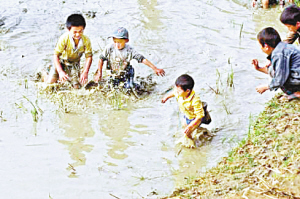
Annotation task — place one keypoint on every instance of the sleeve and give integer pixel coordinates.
(137, 56)
(291, 37)
(104, 55)
(198, 107)
(280, 65)
(60, 45)
(88, 48)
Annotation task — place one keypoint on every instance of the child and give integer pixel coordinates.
(290, 17)
(189, 103)
(68, 51)
(285, 64)
(118, 56)
(266, 3)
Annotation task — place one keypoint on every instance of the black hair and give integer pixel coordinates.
(290, 15)
(75, 20)
(185, 82)
(269, 36)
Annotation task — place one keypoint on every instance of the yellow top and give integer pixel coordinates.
(191, 106)
(66, 49)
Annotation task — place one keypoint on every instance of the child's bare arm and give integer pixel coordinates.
(84, 75)
(157, 71)
(192, 126)
(261, 69)
(98, 75)
(61, 73)
(168, 96)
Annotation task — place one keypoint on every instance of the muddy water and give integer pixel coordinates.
(129, 153)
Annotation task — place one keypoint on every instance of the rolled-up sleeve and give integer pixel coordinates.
(137, 56)
(60, 45)
(88, 48)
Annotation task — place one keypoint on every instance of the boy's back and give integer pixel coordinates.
(285, 65)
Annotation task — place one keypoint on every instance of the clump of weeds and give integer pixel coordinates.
(36, 111)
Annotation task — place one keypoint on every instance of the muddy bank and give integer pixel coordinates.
(265, 164)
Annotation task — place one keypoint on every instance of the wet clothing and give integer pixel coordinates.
(69, 56)
(191, 107)
(292, 37)
(71, 68)
(67, 51)
(119, 59)
(285, 68)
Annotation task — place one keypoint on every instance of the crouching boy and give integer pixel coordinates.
(189, 103)
(285, 64)
(68, 51)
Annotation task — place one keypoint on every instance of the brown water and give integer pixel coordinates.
(130, 153)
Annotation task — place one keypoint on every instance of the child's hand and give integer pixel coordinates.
(163, 100)
(63, 76)
(262, 88)
(83, 78)
(255, 64)
(160, 72)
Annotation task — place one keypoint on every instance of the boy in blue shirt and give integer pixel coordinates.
(118, 56)
(285, 64)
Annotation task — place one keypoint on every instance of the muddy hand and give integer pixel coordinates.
(83, 78)
(255, 64)
(63, 76)
(160, 72)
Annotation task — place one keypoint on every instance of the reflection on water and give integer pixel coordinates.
(76, 129)
(151, 14)
(116, 126)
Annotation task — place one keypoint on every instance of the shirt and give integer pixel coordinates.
(66, 50)
(120, 59)
(191, 106)
(285, 66)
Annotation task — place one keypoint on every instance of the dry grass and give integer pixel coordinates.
(266, 164)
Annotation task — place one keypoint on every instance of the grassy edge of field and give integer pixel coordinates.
(265, 164)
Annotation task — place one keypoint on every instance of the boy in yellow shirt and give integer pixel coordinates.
(68, 51)
(189, 103)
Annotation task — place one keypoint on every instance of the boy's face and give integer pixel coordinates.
(120, 43)
(181, 92)
(291, 27)
(76, 32)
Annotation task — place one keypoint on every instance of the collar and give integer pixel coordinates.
(190, 97)
(73, 42)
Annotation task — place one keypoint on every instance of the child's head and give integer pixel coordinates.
(120, 37)
(290, 17)
(268, 39)
(76, 25)
(184, 85)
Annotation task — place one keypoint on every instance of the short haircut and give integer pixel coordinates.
(290, 15)
(269, 36)
(75, 20)
(185, 82)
